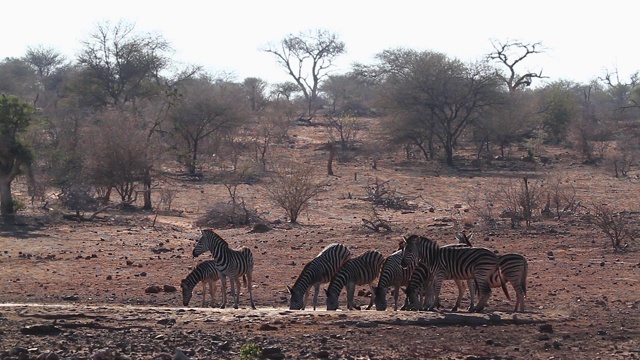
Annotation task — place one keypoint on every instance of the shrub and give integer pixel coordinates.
(615, 225)
(221, 215)
(292, 187)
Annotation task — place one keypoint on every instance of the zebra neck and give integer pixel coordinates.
(336, 285)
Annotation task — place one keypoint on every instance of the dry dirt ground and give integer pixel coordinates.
(77, 289)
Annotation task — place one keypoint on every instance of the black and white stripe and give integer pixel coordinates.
(514, 268)
(230, 263)
(360, 270)
(459, 263)
(318, 271)
(392, 274)
(205, 272)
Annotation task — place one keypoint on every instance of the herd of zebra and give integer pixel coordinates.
(418, 267)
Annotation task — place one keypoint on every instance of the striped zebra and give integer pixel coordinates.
(205, 272)
(514, 268)
(360, 270)
(456, 263)
(318, 271)
(392, 274)
(230, 263)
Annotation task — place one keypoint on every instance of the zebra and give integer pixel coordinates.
(318, 271)
(360, 270)
(230, 263)
(456, 263)
(205, 272)
(392, 274)
(514, 268)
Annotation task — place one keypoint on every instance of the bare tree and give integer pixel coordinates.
(307, 58)
(292, 188)
(511, 54)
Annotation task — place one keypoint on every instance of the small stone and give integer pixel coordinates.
(546, 328)
(322, 354)
(169, 288)
(543, 337)
(153, 289)
(267, 327)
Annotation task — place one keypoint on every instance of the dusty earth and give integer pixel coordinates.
(77, 290)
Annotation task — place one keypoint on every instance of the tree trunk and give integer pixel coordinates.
(332, 154)
(194, 158)
(6, 200)
(448, 149)
(146, 195)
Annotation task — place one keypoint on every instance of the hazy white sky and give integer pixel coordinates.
(582, 38)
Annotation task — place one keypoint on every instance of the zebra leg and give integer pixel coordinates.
(236, 293)
(373, 296)
(437, 286)
(485, 293)
(351, 289)
(306, 297)
(316, 290)
(396, 293)
(460, 286)
(212, 291)
(472, 290)
(204, 291)
(223, 287)
(250, 288)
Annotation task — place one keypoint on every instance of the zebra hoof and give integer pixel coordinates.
(235, 306)
(222, 306)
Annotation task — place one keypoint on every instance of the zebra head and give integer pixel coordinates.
(187, 292)
(202, 245)
(297, 299)
(332, 300)
(380, 297)
(413, 300)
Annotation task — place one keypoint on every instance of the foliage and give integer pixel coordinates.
(292, 187)
(250, 351)
(15, 117)
(615, 225)
(521, 201)
(306, 57)
(435, 92)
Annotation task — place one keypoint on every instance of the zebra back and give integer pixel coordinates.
(360, 270)
(514, 268)
(322, 268)
(204, 270)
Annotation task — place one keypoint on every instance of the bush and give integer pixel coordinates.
(292, 188)
(615, 225)
(222, 215)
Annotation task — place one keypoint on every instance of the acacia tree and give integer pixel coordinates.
(121, 64)
(15, 117)
(435, 92)
(203, 108)
(307, 58)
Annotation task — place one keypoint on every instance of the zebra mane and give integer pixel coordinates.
(215, 236)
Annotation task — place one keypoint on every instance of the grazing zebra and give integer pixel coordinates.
(204, 272)
(459, 263)
(392, 274)
(318, 271)
(514, 268)
(360, 270)
(230, 263)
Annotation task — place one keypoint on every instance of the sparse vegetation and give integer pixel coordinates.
(615, 225)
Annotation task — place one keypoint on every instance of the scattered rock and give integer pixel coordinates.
(169, 288)
(70, 298)
(543, 337)
(546, 328)
(322, 354)
(267, 327)
(153, 289)
(41, 330)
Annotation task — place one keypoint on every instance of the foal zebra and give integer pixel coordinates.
(392, 274)
(318, 271)
(514, 268)
(456, 263)
(207, 273)
(230, 263)
(360, 270)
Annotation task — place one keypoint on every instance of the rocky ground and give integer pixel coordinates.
(105, 289)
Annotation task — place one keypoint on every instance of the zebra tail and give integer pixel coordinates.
(523, 281)
(503, 284)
